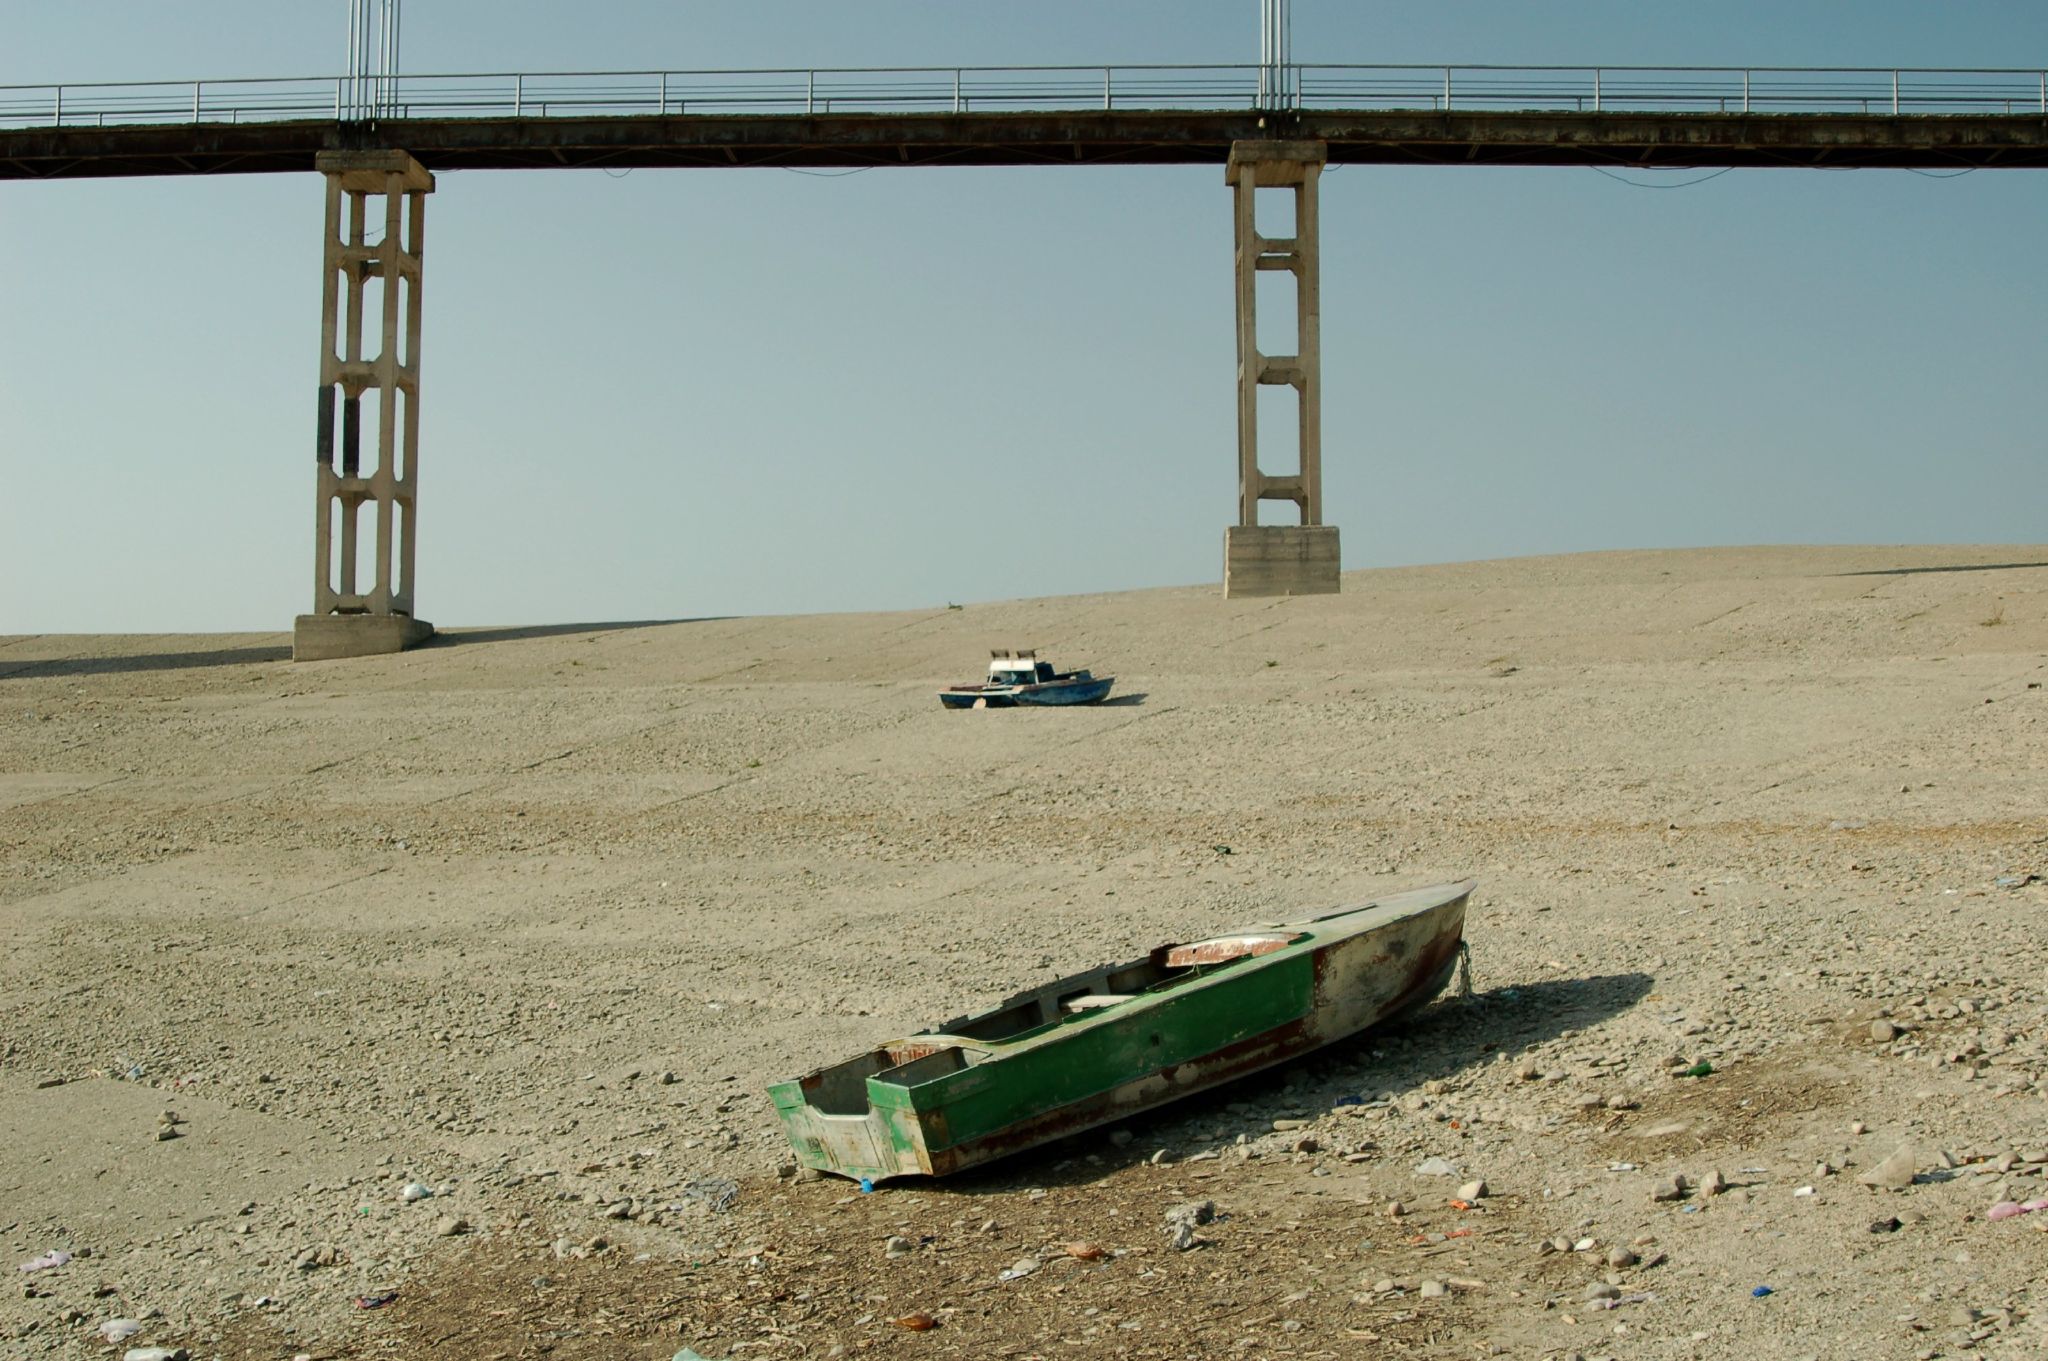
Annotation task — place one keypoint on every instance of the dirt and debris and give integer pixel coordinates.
(457, 978)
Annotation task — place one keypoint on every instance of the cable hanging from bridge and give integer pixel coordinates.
(1639, 184)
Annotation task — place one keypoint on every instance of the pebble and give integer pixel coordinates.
(1473, 1190)
(451, 1226)
(1672, 1187)
(1895, 1172)
(415, 1191)
(1601, 1290)
(1433, 1290)
(898, 1246)
(1883, 1032)
(1619, 1258)
(1436, 1167)
(1182, 1220)
(1713, 1184)
(1019, 1269)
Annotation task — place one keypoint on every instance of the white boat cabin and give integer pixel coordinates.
(1019, 667)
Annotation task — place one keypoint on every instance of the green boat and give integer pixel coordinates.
(1099, 1046)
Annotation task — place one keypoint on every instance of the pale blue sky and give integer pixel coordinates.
(679, 393)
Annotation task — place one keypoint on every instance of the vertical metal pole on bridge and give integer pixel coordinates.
(371, 77)
(348, 620)
(1276, 55)
(1268, 560)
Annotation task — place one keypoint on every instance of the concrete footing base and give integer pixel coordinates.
(325, 637)
(1280, 560)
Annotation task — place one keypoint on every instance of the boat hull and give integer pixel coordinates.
(965, 1094)
(1093, 690)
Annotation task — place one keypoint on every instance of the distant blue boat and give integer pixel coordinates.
(1018, 677)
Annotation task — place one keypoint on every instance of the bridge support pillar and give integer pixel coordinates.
(348, 620)
(1299, 559)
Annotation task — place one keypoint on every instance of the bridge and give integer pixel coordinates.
(378, 138)
(1668, 117)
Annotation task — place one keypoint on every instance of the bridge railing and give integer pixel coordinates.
(994, 89)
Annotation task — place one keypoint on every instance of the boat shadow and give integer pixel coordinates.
(1448, 1039)
(1134, 698)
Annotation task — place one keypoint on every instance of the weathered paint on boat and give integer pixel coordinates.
(1016, 677)
(1081, 689)
(1087, 1049)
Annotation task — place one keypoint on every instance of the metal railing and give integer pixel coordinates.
(996, 89)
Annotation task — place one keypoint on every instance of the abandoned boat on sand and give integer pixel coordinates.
(1019, 678)
(1106, 1044)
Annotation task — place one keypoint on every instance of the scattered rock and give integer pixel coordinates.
(1433, 1290)
(1896, 1172)
(1436, 1167)
(1182, 1220)
(1713, 1184)
(1672, 1187)
(1473, 1190)
(1019, 1269)
(1883, 1032)
(1622, 1258)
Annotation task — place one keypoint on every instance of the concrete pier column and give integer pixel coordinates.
(352, 618)
(1298, 559)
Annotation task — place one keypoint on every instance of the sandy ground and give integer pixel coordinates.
(529, 918)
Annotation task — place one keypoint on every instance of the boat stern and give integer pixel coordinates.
(864, 1119)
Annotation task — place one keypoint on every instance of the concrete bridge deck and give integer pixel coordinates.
(1933, 141)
